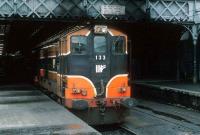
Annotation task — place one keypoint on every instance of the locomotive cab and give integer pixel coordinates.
(99, 56)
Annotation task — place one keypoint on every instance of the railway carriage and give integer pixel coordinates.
(87, 70)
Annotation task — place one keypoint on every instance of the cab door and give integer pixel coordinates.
(101, 62)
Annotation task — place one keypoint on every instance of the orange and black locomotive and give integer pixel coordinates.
(87, 70)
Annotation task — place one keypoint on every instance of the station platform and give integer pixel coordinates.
(25, 110)
(180, 93)
(151, 118)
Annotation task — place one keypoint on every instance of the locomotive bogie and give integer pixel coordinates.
(102, 116)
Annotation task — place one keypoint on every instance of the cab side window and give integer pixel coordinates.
(118, 45)
(79, 45)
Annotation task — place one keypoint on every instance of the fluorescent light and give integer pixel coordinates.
(2, 34)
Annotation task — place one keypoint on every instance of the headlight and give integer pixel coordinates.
(100, 29)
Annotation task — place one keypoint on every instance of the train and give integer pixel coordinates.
(87, 69)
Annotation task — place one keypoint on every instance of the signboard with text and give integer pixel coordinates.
(112, 10)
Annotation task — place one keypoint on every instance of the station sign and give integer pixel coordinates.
(112, 10)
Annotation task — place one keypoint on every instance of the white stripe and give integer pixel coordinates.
(120, 75)
(78, 76)
(85, 78)
(48, 57)
(65, 54)
(52, 56)
(49, 46)
(52, 71)
(110, 33)
(88, 33)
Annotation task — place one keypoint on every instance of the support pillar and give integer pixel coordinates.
(178, 64)
(195, 61)
(195, 36)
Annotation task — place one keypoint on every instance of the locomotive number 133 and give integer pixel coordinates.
(100, 57)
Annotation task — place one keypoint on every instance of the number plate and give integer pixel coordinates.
(112, 10)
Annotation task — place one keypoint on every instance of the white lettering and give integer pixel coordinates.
(104, 57)
(100, 68)
(113, 10)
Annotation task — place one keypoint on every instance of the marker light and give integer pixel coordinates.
(76, 91)
(122, 90)
(84, 92)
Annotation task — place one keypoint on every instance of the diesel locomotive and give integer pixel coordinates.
(87, 69)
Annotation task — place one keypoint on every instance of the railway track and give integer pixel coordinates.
(127, 130)
(114, 130)
(120, 131)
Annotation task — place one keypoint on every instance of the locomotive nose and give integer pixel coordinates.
(101, 88)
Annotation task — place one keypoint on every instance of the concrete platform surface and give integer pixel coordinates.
(186, 88)
(25, 110)
(150, 118)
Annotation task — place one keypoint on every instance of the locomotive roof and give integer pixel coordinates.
(57, 36)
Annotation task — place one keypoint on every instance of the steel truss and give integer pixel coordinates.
(72, 9)
(183, 12)
(167, 10)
